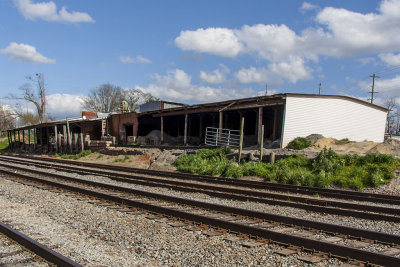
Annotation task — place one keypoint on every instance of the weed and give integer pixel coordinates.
(99, 156)
(299, 143)
(76, 156)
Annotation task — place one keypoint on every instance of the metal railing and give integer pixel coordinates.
(222, 137)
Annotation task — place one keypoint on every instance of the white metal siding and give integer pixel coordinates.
(332, 117)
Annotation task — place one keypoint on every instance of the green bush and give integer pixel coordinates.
(299, 143)
(76, 156)
(328, 168)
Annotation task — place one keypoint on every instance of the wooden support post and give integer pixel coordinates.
(55, 138)
(69, 137)
(34, 138)
(241, 139)
(29, 137)
(260, 119)
(64, 139)
(59, 143)
(185, 130)
(82, 142)
(19, 136)
(162, 130)
(75, 142)
(221, 120)
(41, 139)
(272, 157)
(262, 142)
(23, 137)
(274, 124)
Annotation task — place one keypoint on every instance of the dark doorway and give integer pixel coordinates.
(128, 131)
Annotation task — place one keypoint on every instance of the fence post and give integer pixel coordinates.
(241, 138)
(262, 142)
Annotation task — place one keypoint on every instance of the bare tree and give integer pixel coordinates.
(105, 98)
(390, 104)
(135, 97)
(7, 120)
(108, 97)
(36, 97)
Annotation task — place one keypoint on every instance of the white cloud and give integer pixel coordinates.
(292, 70)
(216, 41)
(252, 75)
(390, 59)
(25, 53)
(216, 76)
(142, 59)
(339, 33)
(138, 59)
(64, 105)
(307, 6)
(177, 86)
(126, 59)
(48, 11)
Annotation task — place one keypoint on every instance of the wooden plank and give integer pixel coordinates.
(162, 130)
(185, 130)
(82, 142)
(69, 137)
(56, 138)
(260, 119)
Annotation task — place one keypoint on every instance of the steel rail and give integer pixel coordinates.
(333, 250)
(316, 205)
(330, 228)
(332, 193)
(37, 248)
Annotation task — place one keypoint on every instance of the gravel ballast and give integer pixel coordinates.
(95, 235)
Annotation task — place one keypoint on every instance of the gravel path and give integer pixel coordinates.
(95, 235)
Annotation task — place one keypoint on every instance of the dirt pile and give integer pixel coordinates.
(361, 148)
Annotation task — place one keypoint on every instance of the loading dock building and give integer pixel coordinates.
(284, 116)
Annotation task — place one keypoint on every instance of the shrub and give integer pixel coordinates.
(299, 143)
(76, 156)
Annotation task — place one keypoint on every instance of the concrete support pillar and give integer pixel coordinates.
(162, 130)
(185, 130)
(259, 119)
(75, 142)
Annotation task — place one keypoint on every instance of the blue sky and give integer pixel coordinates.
(200, 51)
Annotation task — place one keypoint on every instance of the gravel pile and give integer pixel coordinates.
(95, 235)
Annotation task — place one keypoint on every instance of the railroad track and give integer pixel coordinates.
(305, 190)
(324, 240)
(29, 250)
(341, 208)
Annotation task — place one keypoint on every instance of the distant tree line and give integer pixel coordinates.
(108, 98)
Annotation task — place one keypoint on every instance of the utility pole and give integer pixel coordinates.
(373, 76)
(44, 99)
(319, 91)
(266, 89)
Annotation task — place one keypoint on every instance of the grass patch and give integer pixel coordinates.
(126, 157)
(328, 168)
(342, 141)
(299, 143)
(76, 156)
(4, 145)
(99, 156)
